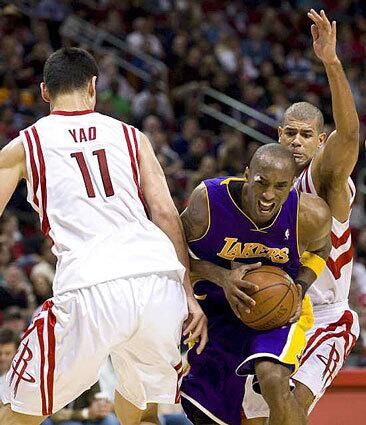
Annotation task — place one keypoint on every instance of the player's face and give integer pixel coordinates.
(302, 138)
(268, 189)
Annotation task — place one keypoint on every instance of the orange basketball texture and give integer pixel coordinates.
(276, 299)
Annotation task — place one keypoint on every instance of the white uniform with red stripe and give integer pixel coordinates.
(118, 286)
(336, 326)
(333, 285)
(84, 182)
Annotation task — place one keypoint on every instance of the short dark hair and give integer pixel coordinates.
(272, 153)
(305, 111)
(69, 69)
(8, 336)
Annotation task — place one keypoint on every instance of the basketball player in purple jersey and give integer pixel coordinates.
(324, 166)
(247, 220)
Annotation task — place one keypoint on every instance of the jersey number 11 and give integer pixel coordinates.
(104, 172)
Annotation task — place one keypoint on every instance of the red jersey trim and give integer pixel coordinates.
(179, 369)
(51, 355)
(40, 330)
(336, 266)
(71, 113)
(347, 321)
(136, 144)
(307, 185)
(42, 168)
(341, 240)
(35, 178)
(134, 167)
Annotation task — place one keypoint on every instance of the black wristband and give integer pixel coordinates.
(304, 286)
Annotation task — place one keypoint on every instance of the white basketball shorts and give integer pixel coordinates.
(329, 342)
(137, 321)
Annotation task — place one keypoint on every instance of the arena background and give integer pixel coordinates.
(207, 81)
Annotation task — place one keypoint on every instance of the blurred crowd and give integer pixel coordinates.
(258, 53)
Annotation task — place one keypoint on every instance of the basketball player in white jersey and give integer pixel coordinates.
(324, 168)
(121, 285)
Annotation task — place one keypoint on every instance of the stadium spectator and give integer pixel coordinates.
(16, 290)
(15, 319)
(190, 129)
(169, 160)
(152, 100)
(142, 38)
(196, 151)
(9, 342)
(258, 54)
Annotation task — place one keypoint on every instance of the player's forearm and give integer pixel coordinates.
(169, 222)
(343, 105)
(208, 271)
(313, 263)
(305, 277)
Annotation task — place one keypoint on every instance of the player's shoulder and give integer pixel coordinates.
(199, 192)
(195, 217)
(205, 193)
(313, 209)
(220, 181)
(45, 120)
(99, 117)
(12, 154)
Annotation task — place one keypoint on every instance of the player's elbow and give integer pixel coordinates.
(163, 213)
(351, 134)
(325, 222)
(327, 246)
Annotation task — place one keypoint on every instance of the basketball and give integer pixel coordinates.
(276, 299)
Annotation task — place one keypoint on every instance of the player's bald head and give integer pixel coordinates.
(274, 156)
(304, 111)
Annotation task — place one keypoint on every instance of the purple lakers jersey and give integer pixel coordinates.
(232, 236)
(215, 383)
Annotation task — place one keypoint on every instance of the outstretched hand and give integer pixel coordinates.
(324, 37)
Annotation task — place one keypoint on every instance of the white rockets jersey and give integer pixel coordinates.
(83, 180)
(334, 282)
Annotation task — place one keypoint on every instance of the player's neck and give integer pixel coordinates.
(299, 170)
(244, 203)
(71, 102)
(301, 167)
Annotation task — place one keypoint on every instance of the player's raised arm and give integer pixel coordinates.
(341, 149)
(12, 169)
(165, 215)
(314, 238)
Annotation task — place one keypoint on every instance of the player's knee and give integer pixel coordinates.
(150, 415)
(273, 381)
(6, 414)
(8, 417)
(304, 396)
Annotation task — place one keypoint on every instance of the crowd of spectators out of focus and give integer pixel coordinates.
(258, 53)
